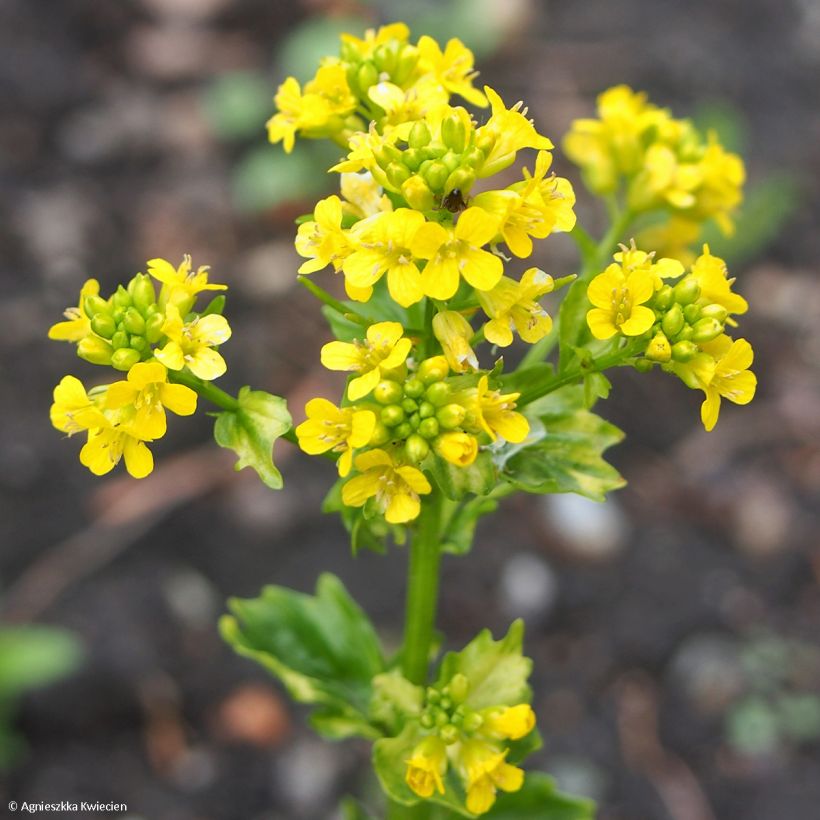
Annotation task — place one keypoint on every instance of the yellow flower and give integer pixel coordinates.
(732, 378)
(721, 190)
(408, 105)
(505, 133)
(514, 305)
(383, 245)
(181, 284)
(495, 413)
(711, 274)
(510, 722)
(396, 488)
(454, 333)
(341, 430)
(486, 771)
(452, 68)
(191, 344)
(619, 303)
(363, 195)
(108, 444)
(456, 252)
(322, 241)
(318, 111)
(383, 349)
(73, 409)
(78, 324)
(460, 449)
(365, 47)
(143, 396)
(631, 259)
(426, 766)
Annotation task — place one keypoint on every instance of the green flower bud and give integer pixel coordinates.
(459, 686)
(446, 703)
(412, 158)
(381, 435)
(121, 298)
(397, 173)
(428, 428)
(426, 410)
(686, 291)
(125, 358)
(395, 374)
(684, 351)
(485, 142)
(119, 339)
(685, 334)
(95, 350)
(433, 370)
(437, 394)
(103, 325)
(392, 415)
(427, 721)
(388, 392)
(92, 305)
(142, 291)
(138, 343)
(409, 406)
(451, 160)
(453, 133)
(418, 194)
(416, 448)
(435, 150)
(405, 65)
(366, 76)
(433, 695)
(414, 420)
(385, 56)
(706, 329)
(472, 157)
(413, 388)
(673, 321)
(472, 722)
(462, 179)
(659, 349)
(643, 365)
(436, 175)
(715, 311)
(153, 327)
(664, 297)
(451, 416)
(385, 154)
(449, 734)
(691, 313)
(403, 431)
(419, 135)
(133, 321)
(442, 719)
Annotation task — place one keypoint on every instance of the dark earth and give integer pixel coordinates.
(663, 624)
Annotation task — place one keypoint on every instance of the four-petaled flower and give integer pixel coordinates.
(732, 378)
(619, 299)
(486, 771)
(192, 344)
(514, 305)
(426, 766)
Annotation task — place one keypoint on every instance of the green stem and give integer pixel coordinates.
(422, 591)
(613, 359)
(323, 296)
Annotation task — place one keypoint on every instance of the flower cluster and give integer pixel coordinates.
(150, 336)
(471, 740)
(661, 162)
(682, 317)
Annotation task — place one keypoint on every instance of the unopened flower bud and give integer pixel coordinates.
(392, 415)
(715, 311)
(94, 350)
(691, 314)
(451, 416)
(385, 57)
(664, 297)
(437, 394)
(706, 329)
(397, 173)
(153, 327)
(133, 321)
(103, 325)
(412, 158)
(119, 339)
(416, 448)
(418, 194)
(385, 154)
(138, 343)
(472, 157)
(433, 369)
(366, 76)
(413, 388)
(673, 321)
(659, 349)
(459, 685)
(426, 410)
(125, 358)
(93, 304)
(449, 734)
(454, 133)
(460, 449)
(643, 365)
(388, 392)
(472, 722)
(419, 135)
(121, 298)
(436, 175)
(428, 428)
(686, 291)
(406, 64)
(381, 435)
(462, 179)
(409, 406)
(142, 291)
(684, 351)
(403, 431)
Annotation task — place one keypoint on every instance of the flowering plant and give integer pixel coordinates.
(430, 230)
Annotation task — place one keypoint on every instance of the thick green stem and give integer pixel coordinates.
(422, 591)
(207, 390)
(323, 296)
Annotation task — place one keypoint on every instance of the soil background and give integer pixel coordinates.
(643, 613)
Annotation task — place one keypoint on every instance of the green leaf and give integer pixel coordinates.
(460, 528)
(496, 671)
(564, 452)
(251, 430)
(531, 380)
(32, 656)
(480, 478)
(539, 799)
(395, 700)
(322, 647)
